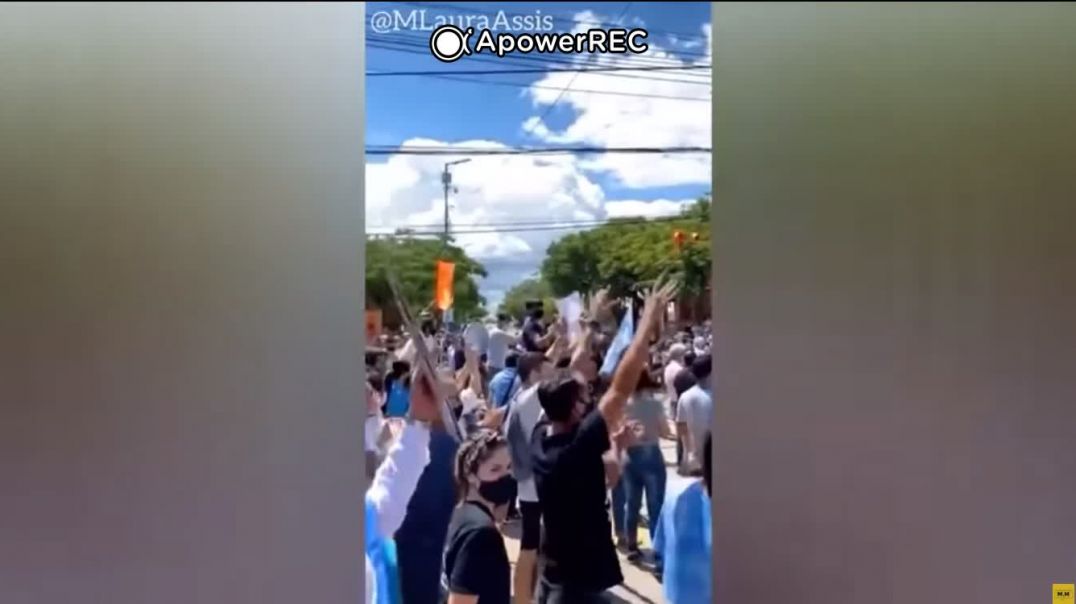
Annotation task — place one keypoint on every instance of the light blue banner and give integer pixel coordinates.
(620, 342)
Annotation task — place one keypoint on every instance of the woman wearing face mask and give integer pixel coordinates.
(476, 567)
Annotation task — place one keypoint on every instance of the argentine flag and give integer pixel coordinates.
(620, 342)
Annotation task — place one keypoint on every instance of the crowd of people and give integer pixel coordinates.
(558, 430)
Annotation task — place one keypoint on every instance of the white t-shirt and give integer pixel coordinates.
(526, 403)
(671, 370)
(696, 409)
(499, 343)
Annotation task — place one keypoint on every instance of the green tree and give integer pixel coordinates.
(621, 254)
(515, 299)
(414, 262)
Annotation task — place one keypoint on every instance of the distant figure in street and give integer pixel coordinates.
(677, 352)
(499, 344)
(535, 337)
(694, 412)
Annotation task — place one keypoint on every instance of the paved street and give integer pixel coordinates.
(640, 586)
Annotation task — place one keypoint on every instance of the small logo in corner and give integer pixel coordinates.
(1064, 593)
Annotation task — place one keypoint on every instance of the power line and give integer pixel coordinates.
(612, 71)
(556, 18)
(549, 108)
(538, 70)
(420, 44)
(532, 151)
(430, 230)
(571, 221)
(580, 90)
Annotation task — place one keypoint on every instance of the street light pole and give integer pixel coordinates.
(446, 181)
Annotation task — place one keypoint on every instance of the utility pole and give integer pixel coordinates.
(446, 181)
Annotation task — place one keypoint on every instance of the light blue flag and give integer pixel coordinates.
(620, 342)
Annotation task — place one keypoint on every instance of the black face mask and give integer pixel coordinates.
(498, 492)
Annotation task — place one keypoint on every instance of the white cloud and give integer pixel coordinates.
(634, 121)
(500, 191)
(515, 192)
(657, 208)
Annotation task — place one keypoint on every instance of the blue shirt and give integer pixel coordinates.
(399, 400)
(500, 386)
(683, 540)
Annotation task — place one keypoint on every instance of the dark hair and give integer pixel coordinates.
(529, 363)
(689, 359)
(400, 368)
(708, 464)
(701, 367)
(538, 312)
(376, 382)
(511, 361)
(479, 447)
(503, 318)
(428, 328)
(559, 397)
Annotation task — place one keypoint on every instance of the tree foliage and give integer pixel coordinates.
(414, 262)
(623, 253)
(515, 299)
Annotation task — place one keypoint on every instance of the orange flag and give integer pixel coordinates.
(442, 289)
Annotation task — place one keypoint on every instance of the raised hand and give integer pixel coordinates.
(424, 405)
(600, 305)
(628, 435)
(657, 301)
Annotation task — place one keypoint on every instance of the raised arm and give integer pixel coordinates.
(398, 475)
(626, 376)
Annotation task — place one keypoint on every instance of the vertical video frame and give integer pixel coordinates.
(538, 321)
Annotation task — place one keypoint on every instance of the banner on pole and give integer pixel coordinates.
(443, 290)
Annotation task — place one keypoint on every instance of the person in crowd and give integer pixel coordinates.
(505, 383)
(643, 472)
(476, 566)
(684, 380)
(694, 412)
(677, 352)
(420, 539)
(675, 365)
(397, 386)
(701, 346)
(535, 336)
(523, 415)
(500, 343)
(392, 483)
(683, 538)
(374, 415)
(568, 451)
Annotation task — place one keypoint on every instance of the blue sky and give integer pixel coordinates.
(651, 108)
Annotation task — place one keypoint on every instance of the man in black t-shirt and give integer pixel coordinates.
(568, 449)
